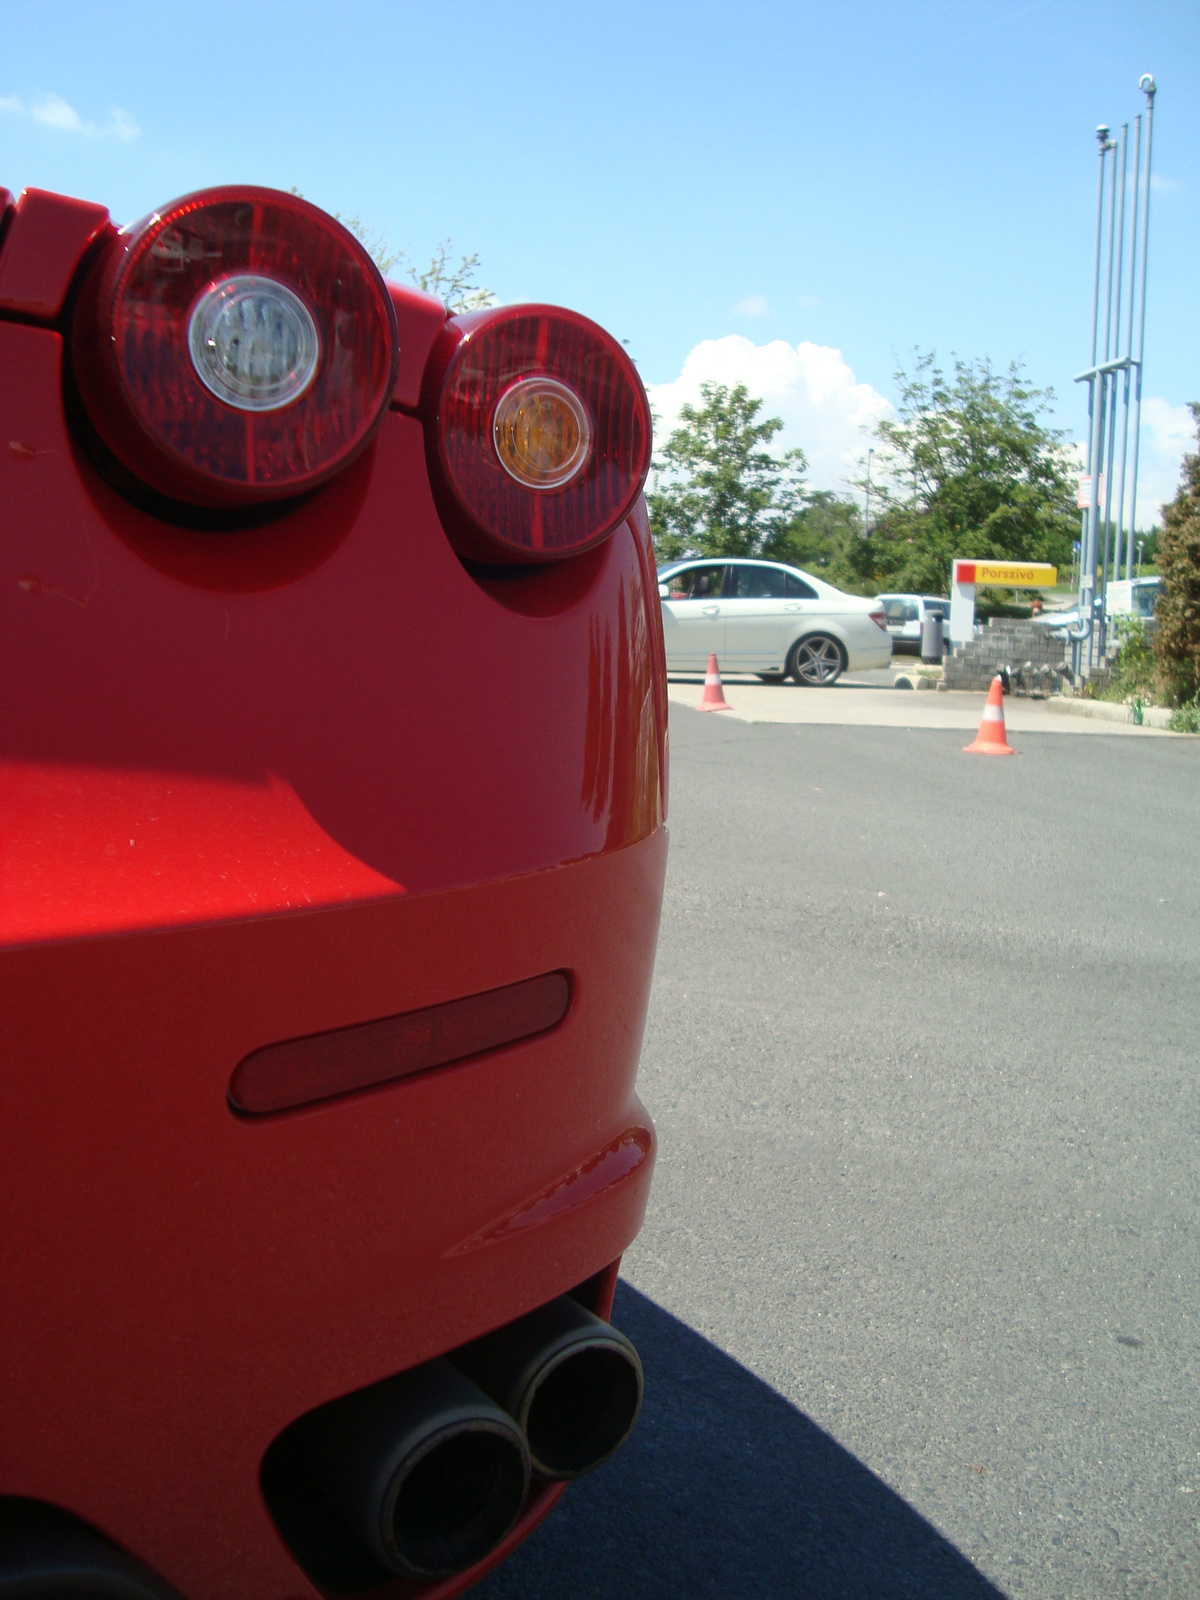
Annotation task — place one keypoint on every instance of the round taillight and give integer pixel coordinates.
(238, 346)
(539, 433)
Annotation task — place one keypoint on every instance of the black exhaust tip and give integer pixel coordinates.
(423, 1468)
(572, 1382)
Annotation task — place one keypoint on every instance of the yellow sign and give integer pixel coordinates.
(1009, 574)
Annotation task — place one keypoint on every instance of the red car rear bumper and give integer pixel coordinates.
(255, 787)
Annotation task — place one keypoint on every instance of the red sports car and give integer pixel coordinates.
(333, 779)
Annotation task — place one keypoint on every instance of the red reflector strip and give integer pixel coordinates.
(301, 1071)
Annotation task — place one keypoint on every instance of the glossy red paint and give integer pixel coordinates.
(256, 786)
(419, 320)
(45, 239)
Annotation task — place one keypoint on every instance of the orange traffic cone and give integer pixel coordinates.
(991, 740)
(713, 698)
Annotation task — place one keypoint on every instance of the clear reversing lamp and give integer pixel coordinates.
(253, 343)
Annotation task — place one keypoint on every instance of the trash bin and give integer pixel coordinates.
(931, 637)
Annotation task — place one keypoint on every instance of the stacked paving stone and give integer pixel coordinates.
(1007, 642)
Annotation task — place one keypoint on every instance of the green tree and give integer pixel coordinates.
(821, 531)
(969, 469)
(1177, 631)
(725, 494)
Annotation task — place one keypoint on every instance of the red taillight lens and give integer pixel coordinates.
(539, 433)
(879, 618)
(236, 347)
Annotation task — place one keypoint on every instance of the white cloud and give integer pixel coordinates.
(123, 125)
(1168, 433)
(825, 410)
(754, 305)
(52, 111)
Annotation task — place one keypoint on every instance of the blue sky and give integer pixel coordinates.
(857, 178)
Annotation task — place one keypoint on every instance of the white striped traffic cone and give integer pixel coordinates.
(992, 740)
(713, 698)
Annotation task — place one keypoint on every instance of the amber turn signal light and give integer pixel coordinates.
(542, 433)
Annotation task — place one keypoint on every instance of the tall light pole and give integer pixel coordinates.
(1113, 379)
(1149, 88)
(1096, 416)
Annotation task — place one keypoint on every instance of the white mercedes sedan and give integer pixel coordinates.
(770, 619)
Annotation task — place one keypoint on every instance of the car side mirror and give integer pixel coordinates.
(663, 592)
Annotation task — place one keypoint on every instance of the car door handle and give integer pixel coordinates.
(710, 611)
(793, 608)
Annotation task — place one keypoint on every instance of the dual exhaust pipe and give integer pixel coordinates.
(428, 1471)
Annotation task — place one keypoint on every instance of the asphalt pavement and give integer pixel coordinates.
(917, 1294)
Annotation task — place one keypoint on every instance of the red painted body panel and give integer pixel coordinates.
(260, 785)
(419, 319)
(44, 242)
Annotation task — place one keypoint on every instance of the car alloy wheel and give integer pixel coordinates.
(816, 661)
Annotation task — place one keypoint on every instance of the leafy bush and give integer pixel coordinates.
(1186, 718)
(1134, 673)
(1177, 636)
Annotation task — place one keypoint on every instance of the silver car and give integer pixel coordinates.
(767, 618)
(906, 615)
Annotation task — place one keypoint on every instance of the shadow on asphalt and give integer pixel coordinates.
(727, 1490)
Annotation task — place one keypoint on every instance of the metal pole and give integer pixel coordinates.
(1115, 533)
(1102, 138)
(1149, 88)
(1112, 244)
(1133, 244)
(1088, 584)
(1090, 529)
(1108, 394)
(1108, 495)
(1124, 148)
(1087, 520)
(1116, 253)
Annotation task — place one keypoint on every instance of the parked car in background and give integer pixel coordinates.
(1124, 597)
(769, 619)
(906, 615)
(1134, 597)
(324, 962)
